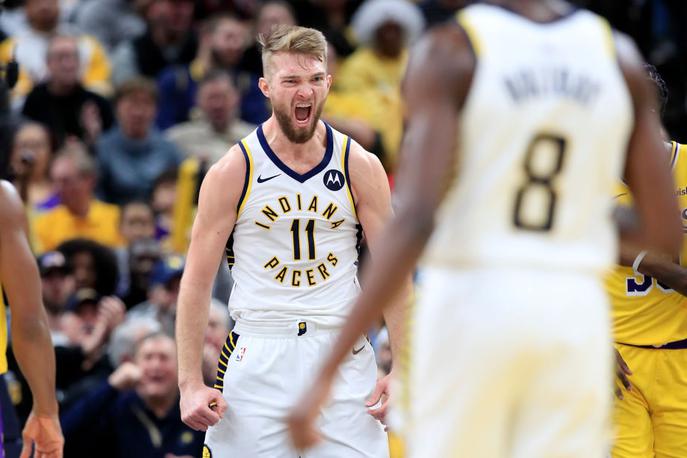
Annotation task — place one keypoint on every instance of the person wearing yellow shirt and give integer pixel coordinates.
(80, 214)
(649, 314)
(375, 70)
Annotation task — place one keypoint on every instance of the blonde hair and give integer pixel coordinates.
(293, 39)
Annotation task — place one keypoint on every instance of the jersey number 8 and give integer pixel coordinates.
(539, 184)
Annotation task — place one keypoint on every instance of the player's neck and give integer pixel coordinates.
(535, 10)
(287, 150)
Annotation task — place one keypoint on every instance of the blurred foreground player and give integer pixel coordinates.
(29, 328)
(521, 117)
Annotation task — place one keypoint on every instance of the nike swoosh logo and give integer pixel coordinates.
(262, 180)
(355, 352)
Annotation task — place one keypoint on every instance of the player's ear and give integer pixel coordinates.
(264, 86)
(329, 81)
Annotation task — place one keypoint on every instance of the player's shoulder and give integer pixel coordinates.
(228, 174)
(11, 207)
(362, 163)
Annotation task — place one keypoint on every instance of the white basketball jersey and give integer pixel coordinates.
(295, 244)
(542, 141)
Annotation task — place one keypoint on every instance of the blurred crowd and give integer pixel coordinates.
(119, 109)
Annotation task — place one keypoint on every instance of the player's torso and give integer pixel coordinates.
(542, 138)
(646, 312)
(295, 243)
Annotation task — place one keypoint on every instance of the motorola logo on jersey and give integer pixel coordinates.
(333, 180)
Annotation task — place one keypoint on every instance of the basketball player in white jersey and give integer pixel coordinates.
(522, 116)
(291, 198)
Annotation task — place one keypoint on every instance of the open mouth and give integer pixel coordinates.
(303, 111)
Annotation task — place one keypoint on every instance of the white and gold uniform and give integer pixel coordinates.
(294, 251)
(511, 348)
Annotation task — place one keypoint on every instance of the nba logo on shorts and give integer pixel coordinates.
(241, 352)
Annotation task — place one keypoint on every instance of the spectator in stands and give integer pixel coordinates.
(348, 112)
(222, 46)
(79, 214)
(94, 265)
(163, 200)
(137, 222)
(215, 336)
(30, 46)
(162, 293)
(62, 103)
(384, 28)
(331, 17)
(216, 128)
(143, 255)
(169, 39)
(269, 14)
(136, 412)
(110, 21)
(127, 336)
(30, 159)
(133, 154)
(57, 285)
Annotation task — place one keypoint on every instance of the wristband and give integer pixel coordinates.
(638, 260)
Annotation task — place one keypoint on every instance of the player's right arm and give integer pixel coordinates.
(647, 169)
(30, 332)
(215, 218)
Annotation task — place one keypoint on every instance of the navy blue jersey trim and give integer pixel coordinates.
(285, 168)
(247, 179)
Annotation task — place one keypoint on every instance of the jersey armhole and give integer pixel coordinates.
(248, 179)
(465, 26)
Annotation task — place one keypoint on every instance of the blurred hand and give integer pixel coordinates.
(301, 421)
(111, 310)
(201, 406)
(381, 396)
(622, 371)
(90, 121)
(125, 377)
(43, 434)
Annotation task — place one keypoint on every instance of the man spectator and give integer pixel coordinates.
(384, 29)
(136, 412)
(168, 39)
(57, 285)
(142, 255)
(93, 265)
(110, 21)
(137, 222)
(223, 42)
(216, 129)
(80, 214)
(162, 293)
(29, 48)
(133, 154)
(62, 103)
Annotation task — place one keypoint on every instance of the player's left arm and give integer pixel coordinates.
(371, 193)
(665, 270)
(437, 80)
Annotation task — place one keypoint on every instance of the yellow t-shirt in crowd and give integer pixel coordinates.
(59, 224)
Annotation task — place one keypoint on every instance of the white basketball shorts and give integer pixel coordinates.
(263, 371)
(509, 363)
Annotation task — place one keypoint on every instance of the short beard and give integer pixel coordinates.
(295, 136)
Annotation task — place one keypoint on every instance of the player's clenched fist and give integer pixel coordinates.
(201, 406)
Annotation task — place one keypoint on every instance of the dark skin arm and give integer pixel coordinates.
(30, 333)
(647, 168)
(437, 79)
